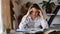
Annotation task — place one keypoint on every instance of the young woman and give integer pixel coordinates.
(33, 19)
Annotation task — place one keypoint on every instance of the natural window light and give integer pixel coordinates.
(0, 19)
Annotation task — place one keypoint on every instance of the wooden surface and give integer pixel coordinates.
(6, 16)
(46, 32)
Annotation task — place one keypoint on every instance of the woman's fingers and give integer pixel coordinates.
(29, 11)
(41, 14)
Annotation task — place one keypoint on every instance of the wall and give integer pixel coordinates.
(57, 18)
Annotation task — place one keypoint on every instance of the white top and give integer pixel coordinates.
(25, 24)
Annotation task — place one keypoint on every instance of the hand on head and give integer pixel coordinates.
(41, 14)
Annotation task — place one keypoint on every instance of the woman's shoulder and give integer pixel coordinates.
(24, 17)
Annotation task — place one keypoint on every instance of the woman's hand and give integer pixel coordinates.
(41, 14)
(29, 11)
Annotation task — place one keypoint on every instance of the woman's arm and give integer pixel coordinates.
(44, 24)
(23, 23)
(41, 15)
(43, 21)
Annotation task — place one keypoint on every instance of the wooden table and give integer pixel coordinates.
(52, 31)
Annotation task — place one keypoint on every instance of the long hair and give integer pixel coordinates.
(33, 6)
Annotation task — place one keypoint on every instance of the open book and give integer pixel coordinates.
(31, 30)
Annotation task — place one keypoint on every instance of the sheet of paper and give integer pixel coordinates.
(19, 30)
(32, 30)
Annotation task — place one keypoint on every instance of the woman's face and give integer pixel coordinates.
(34, 12)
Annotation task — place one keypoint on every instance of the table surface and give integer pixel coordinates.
(46, 32)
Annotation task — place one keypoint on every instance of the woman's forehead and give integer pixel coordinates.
(34, 9)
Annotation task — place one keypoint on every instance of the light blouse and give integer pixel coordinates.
(29, 23)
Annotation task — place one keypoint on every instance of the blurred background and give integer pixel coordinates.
(13, 11)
